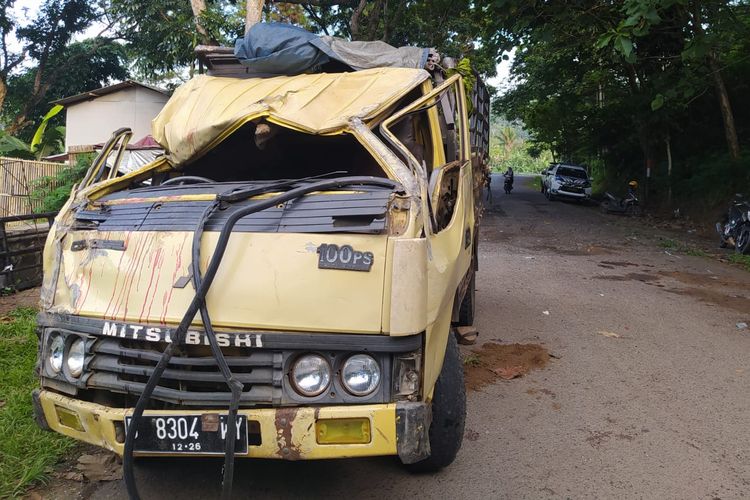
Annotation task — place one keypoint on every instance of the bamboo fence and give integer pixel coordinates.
(16, 182)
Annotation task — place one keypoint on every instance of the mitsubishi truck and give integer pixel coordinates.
(284, 282)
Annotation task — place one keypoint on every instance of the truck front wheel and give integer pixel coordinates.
(448, 413)
(468, 305)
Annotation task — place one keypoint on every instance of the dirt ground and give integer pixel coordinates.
(608, 366)
(25, 298)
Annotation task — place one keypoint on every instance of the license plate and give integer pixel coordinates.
(194, 434)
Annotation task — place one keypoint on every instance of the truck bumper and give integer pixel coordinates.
(286, 433)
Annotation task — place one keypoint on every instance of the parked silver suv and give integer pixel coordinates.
(561, 180)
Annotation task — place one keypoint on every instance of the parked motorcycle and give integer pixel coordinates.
(735, 229)
(628, 205)
(508, 185)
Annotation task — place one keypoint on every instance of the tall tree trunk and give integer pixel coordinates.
(354, 21)
(253, 13)
(730, 131)
(199, 7)
(649, 158)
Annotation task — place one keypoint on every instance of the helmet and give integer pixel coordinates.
(633, 184)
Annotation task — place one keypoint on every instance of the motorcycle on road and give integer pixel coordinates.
(628, 205)
(508, 184)
(734, 231)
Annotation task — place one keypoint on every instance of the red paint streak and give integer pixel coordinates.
(129, 274)
(82, 298)
(159, 264)
(117, 276)
(125, 270)
(154, 266)
(139, 268)
(170, 286)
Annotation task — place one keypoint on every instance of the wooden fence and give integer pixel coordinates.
(16, 182)
(22, 240)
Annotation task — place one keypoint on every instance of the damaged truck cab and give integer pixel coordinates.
(353, 200)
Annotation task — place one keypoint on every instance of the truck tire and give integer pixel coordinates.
(468, 305)
(448, 413)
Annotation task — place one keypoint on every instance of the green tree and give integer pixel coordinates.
(630, 85)
(98, 64)
(10, 59)
(45, 39)
(161, 34)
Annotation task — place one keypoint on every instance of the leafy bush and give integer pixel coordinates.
(54, 191)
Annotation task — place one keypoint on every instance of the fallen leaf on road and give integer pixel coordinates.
(605, 333)
(103, 467)
(510, 372)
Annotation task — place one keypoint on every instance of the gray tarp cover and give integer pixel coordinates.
(283, 49)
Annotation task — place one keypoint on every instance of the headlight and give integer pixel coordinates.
(76, 357)
(56, 350)
(360, 374)
(311, 375)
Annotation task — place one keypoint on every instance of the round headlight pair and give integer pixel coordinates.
(311, 375)
(75, 355)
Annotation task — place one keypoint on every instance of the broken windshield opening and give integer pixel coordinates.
(266, 151)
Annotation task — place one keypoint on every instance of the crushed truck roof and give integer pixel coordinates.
(207, 109)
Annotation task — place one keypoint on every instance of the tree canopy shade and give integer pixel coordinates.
(633, 85)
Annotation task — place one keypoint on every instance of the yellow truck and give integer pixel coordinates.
(287, 277)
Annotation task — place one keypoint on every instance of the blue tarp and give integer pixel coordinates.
(283, 49)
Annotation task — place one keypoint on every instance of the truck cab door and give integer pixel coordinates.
(448, 194)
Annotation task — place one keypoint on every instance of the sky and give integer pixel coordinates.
(502, 81)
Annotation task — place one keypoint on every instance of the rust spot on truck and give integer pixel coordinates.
(284, 422)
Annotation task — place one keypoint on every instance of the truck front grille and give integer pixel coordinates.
(192, 377)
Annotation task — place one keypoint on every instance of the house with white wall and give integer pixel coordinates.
(92, 116)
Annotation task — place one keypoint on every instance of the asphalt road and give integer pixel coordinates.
(647, 396)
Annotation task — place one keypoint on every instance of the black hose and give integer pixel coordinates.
(202, 286)
(235, 386)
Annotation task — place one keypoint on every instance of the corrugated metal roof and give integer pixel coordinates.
(93, 94)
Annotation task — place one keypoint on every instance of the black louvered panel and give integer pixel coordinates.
(362, 212)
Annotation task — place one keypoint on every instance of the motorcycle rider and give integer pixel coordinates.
(632, 193)
(508, 180)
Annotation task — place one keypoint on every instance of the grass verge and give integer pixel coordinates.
(743, 260)
(26, 452)
(670, 244)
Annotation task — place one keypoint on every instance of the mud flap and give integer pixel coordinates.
(39, 417)
(412, 431)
